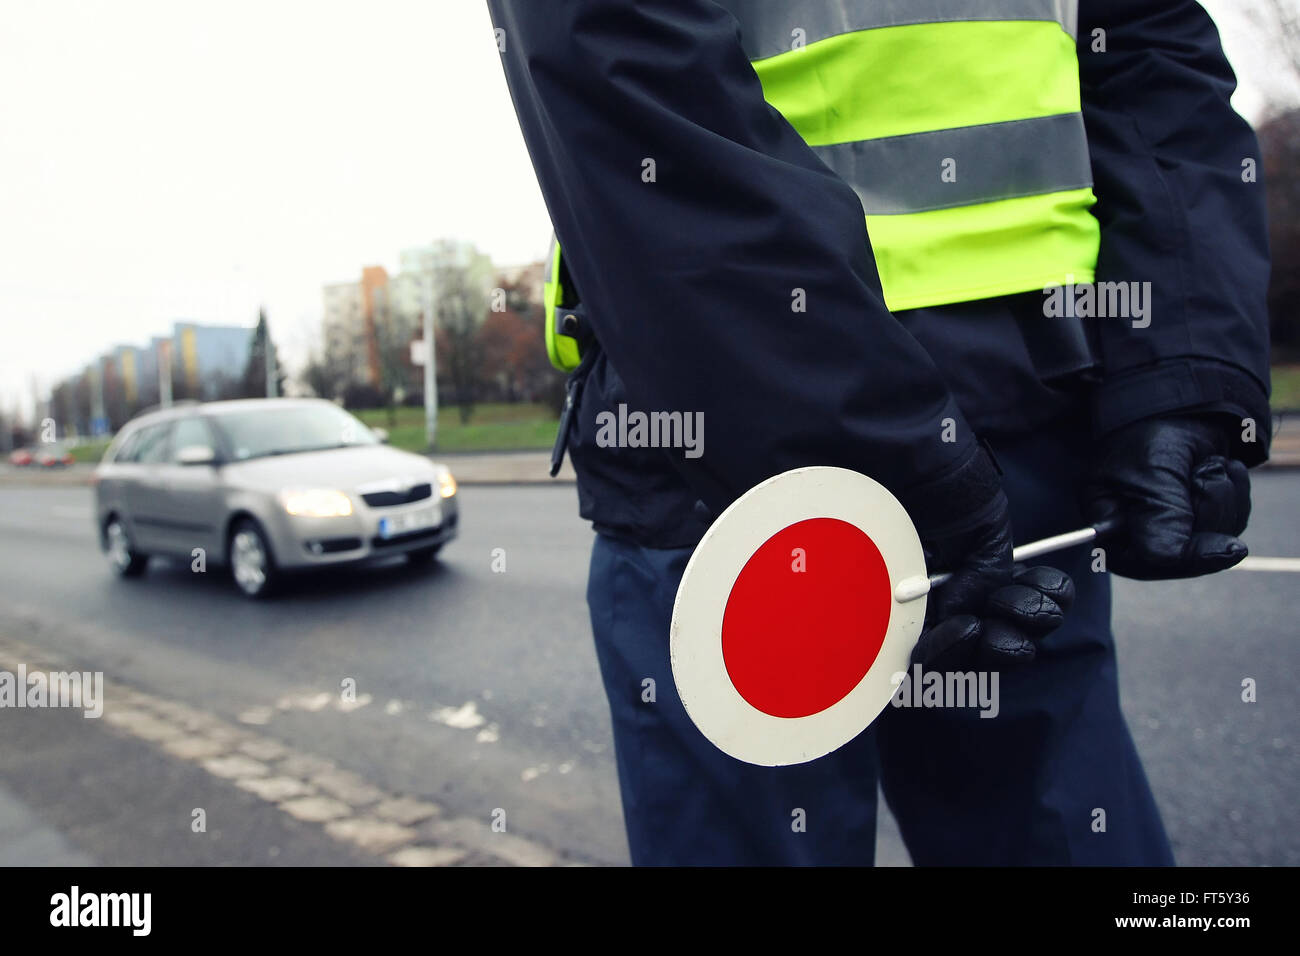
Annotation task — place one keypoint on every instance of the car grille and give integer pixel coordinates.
(389, 499)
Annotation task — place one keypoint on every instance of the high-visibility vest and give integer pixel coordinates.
(958, 124)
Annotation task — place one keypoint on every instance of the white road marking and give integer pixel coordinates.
(307, 702)
(1269, 564)
(465, 717)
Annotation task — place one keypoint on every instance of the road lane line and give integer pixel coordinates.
(401, 829)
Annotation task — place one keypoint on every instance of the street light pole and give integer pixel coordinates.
(268, 362)
(430, 365)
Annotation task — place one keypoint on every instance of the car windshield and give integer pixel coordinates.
(290, 429)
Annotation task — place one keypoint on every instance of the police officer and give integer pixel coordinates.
(1053, 313)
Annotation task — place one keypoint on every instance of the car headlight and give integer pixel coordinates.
(446, 484)
(316, 503)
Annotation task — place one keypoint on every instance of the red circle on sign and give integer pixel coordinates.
(806, 617)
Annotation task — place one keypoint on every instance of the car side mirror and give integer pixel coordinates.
(196, 455)
(381, 434)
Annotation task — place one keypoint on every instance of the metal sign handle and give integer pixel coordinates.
(913, 588)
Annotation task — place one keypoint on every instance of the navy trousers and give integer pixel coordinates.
(1053, 779)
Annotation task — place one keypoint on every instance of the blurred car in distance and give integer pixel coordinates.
(265, 487)
(53, 456)
(21, 457)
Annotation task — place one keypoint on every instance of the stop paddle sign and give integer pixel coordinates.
(798, 606)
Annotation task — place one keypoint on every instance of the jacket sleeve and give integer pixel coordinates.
(723, 268)
(1179, 209)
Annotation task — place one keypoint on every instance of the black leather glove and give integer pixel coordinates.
(1180, 497)
(990, 612)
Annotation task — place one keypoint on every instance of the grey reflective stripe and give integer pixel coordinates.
(902, 174)
(767, 27)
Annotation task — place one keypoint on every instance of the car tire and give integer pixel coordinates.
(251, 563)
(423, 556)
(123, 558)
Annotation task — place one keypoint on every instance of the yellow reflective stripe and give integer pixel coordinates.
(987, 250)
(894, 81)
(562, 350)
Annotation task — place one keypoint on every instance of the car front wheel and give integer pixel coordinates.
(251, 563)
(125, 561)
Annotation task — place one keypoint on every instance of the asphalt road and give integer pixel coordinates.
(477, 691)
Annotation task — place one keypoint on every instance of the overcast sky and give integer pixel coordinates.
(170, 159)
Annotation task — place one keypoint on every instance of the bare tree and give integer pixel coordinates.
(461, 276)
(393, 335)
(1279, 140)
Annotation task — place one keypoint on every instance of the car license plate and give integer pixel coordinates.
(405, 523)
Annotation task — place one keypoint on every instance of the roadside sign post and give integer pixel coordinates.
(430, 366)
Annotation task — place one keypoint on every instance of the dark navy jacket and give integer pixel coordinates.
(687, 280)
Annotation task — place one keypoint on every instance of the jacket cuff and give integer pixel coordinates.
(956, 498)
(1187, 386)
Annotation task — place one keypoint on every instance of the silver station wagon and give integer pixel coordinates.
(264, 487)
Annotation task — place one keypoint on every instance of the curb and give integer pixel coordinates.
(510, 468)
